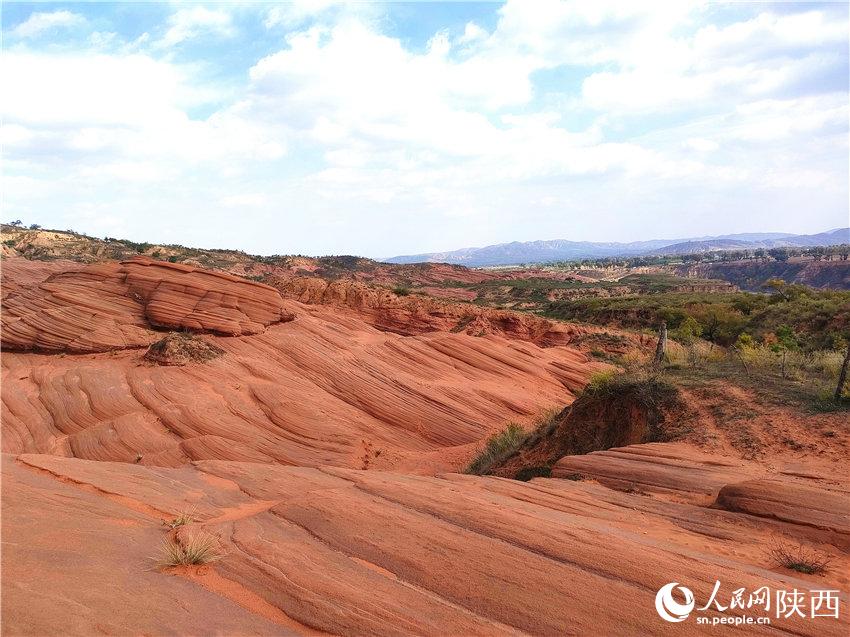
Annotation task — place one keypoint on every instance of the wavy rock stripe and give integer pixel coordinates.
(351, 552)
(112, 306)
(416, 314)
(323, 389)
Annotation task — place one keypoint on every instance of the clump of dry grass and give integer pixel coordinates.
(179, 348)
(195, 548)
(182, 519)
(798, 557)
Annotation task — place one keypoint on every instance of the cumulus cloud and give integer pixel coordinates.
(556, 117)
(187, 24)
(41, 22)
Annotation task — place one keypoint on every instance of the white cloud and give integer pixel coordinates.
(702, 145)
(246, 200)
(472, 33)
(296, 12)
(41, 22)
(754, 58)
(187, 24)
(512, 130)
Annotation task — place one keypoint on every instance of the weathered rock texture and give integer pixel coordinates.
(370, 553)
(417, 314)
(115, 305)
(273, 446)
(324, 389)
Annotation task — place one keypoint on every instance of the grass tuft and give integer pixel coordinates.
(197, 548)
(182, 519)
(798, 557)
(497, 448)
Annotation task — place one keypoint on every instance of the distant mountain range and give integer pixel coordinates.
(518, 252)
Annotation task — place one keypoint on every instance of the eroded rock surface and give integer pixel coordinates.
(368, 553)
(112, 306)
(417, 314)
(317, 452)
(319, 390)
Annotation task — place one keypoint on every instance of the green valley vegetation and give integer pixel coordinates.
(788, 316)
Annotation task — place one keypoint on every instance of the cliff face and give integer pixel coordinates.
(751, 275)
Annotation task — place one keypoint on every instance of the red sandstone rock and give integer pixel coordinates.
(326, 546)
(112, 306)
(416, 314)
(368, 553)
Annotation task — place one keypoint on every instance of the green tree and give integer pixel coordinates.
(688, 331)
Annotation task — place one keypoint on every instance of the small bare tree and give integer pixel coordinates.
(842, 376)
(661, 348)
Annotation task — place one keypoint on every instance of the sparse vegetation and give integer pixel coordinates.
(817, 319)
(501, 446)
(497, 448)
(199, 547)
(798, 557)
(181, 519)
(400, 290)
(794, 377)
(614, 410)
(647, 389)
(181, 348)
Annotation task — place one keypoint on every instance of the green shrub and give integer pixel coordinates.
(814, 319)
(400, 290)
(497, 448)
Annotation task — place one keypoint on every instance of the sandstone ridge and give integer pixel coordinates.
(112, 306)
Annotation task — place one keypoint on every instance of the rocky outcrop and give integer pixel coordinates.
(346, 552)
(416, 314)
(181, 296)
(324, 389)
(112, 306)
(807, 505)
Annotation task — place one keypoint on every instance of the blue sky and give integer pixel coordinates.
(380, 129)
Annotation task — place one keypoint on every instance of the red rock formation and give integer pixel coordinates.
(371, 553)
(326, 546)
(114, 305)
(306, 392)
(415, 314)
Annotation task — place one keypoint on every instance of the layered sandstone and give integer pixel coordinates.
(112, 306)
(418, 314)
(338, 551)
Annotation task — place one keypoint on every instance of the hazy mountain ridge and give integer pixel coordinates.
(517, 252)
